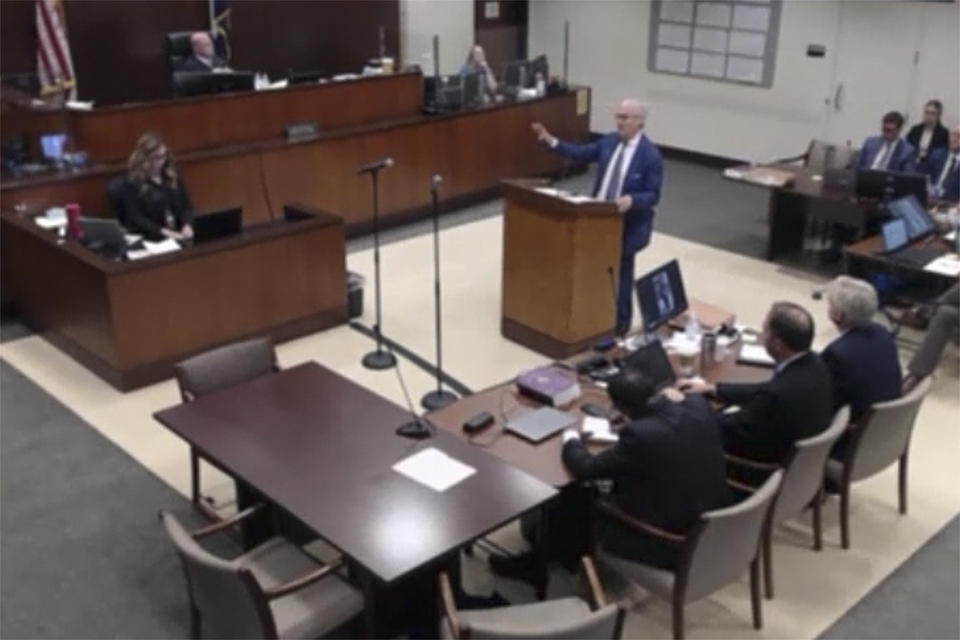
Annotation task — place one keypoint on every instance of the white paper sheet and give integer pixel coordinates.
(948, 265)
(435, 469)
(164, 246)
(950, 237)
(755, 354)
(47, 223)
(598, 429)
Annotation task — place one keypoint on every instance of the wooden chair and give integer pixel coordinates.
(275, 590)
(563, 618)
(881, 439)
(802, 486)
(713, 553)
(214, 370)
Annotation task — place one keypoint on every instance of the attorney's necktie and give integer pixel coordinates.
(613, 186)
(951, 167)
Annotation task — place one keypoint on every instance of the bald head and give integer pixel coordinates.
(202, 44)
(631, 116)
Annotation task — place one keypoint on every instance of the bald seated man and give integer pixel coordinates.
(204, 58)
(630, 173)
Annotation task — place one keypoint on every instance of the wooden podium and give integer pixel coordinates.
(558, 256)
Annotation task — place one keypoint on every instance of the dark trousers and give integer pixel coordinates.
(625, 290)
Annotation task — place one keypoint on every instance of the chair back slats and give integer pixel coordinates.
(885, 435)
(724, 542)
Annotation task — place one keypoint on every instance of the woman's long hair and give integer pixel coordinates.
(146, 145)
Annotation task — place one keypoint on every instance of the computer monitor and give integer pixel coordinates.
(919, 222)
(216, 225)
(539, 65)
(660, 295)
(517, 74)
(474, 84)
(443, 93)
(652, 361)
(51, 146)
(895, 235)
(887, 185)
(194, 83)
(304, 77)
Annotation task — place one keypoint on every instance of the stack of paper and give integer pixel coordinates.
(598, 429)
(755, 354)
(154, 249)
(948, 265)
(435, 469)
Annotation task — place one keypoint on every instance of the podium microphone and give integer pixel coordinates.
(378, 359)
(438, 398)
(418, 428)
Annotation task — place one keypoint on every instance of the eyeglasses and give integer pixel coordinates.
(624, 116)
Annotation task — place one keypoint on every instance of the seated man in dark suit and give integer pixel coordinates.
(204, 57)
(863, 360)
(887, 152)
(942, 167)
(794, 404)
(667, 467)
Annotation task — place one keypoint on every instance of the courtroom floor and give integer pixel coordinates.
(814, 590)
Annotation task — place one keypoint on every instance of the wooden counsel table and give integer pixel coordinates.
(805, 197)
(558, 257)
(867, 257)
(232, 150)
(129, 322)
(543, 460)
(322, 448)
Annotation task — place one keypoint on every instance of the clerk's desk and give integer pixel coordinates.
(232, 150)
(130, 322)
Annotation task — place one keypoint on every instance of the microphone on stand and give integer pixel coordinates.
(613, 291)
(375, 166)
(418, 428)
(439, 397)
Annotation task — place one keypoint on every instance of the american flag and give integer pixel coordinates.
(54, 64)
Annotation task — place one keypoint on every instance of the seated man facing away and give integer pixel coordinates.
(943, 325)
(942, 168)
(204, 58)
(794, 404)
(667, 467)
(863, 360)
(887, 152)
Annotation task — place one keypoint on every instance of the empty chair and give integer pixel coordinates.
(714, 553)
(218, 369)
(563, 618)
(275, 590)
(802, 486)
(880, 439)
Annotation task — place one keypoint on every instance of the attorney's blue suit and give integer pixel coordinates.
(901, 158)
(641, 181)
(932, 166)
(864, 368)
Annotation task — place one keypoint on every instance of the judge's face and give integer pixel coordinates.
(202, 45)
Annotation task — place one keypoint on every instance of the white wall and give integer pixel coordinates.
(420, 20)
(608, 51)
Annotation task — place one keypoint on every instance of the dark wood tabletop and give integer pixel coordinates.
(543, 460)
(322, 447)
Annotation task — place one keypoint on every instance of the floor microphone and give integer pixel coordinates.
(375, 166)
(418, 428)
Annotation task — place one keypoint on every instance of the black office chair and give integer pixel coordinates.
(177, 49)
(116, 194)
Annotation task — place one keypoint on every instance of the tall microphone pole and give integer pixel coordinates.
(437, 399)
(378, 359)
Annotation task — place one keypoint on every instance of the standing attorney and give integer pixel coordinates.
(630, 172)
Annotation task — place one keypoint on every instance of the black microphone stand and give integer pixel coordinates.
(378, 359)
(437, 399)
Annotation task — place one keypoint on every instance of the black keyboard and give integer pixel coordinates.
(918, 256)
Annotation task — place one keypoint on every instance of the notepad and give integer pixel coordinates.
(435, 469)
(755, 354)
(948, 265)
(598, 429)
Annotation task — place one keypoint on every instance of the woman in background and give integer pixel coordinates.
(930, 134)
(477, 61)
(156, 202)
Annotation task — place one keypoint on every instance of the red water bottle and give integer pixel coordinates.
(73, 222)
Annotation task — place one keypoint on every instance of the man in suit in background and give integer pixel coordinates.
(204, 57)
(794, 404)
(887, 152)
(942, 167)
(667, 467)
(629, 172)
(863, 362)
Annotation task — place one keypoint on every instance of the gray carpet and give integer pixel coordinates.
(83, 553)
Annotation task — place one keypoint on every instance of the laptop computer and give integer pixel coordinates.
(653, 362)
(216, 225)
(539, 424)
(103, 235)
(919, 222)
(896, 245)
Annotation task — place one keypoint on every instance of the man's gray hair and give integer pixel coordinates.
(854, 298)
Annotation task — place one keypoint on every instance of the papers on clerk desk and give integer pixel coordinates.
(49, 223)
(598, 429)
(565, 195)
(950, 237)
(435, 469)
(755, 354)
(947, 265)
(154, 249)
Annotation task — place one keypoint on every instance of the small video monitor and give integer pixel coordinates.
(895, 235)
(660, 295)
(918, 220)
(51, 146)
(517, 74)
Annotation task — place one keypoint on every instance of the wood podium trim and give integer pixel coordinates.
(542, 343)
